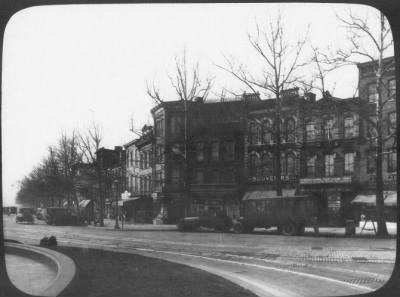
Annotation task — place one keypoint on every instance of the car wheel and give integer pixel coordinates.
(289, 229)
(238, 227)
(181, 227)
(301, 229)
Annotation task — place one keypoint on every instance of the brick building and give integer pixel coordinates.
(112, 166)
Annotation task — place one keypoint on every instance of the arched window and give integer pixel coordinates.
(283, 164)
(267, 165)
(291, 164)
(290, 130)
(266, 132)
(259, 167)
(254, 133)
(252, 165)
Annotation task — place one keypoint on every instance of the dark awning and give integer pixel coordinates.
(390, 199)
(131, 199)
(256, 195)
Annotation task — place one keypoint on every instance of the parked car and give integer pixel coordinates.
(60, 216)
(41, 214)
(25, 214)
(211, 219)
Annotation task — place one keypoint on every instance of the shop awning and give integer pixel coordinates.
(390, 199)
(130, 199)
(84, 203)
(256, 195)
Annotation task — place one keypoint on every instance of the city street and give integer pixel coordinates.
(266, 263)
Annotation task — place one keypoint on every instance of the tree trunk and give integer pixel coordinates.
(278, 145)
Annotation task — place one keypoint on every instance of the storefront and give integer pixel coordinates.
(138, 210)
(333, 196)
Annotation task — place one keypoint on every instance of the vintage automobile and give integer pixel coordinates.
(25, 214)
(60, 216)
(216, 220)
(289, 213)
(41, 214)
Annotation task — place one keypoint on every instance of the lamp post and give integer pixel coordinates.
(115, 186)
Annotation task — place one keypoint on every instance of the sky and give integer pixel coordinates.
(67, 67)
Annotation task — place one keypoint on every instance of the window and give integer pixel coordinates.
(230, 150)
(159, 127)
(136, 184)
(330, 132)
(141, 187)
(371, 162)
(349, 163)
(290, 131)
(392, 89)
(267, 165)
(141, 160)
(158, 179)
(311, 165)
(329, 165)
(283, 164)
(136, 158)
(175, 176)
(200, 151)
(392, 123)
(392, 161)
(255, 136)
(215, 151)
(252, 165)
(350, 129)
(372, 93)
(199, 176)
(371, 129)
(131, 185)
(266, 131)
(291, 165)
(131, 158)
(313, 131)
(175, 125)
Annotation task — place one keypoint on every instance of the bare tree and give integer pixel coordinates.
(89, 144)
(322, 63)
(373, 43)
(280, 62)
(69, 156)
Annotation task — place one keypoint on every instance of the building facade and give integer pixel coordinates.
(112, 167)
(138, 207)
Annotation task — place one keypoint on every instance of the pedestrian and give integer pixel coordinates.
(314, 222)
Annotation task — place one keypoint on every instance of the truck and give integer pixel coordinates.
(290, 214)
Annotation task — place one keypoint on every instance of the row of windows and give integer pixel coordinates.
(141, 159)
(389, 91)
(265, 165)
(140, 184)
(331, 165)
(215, 151)
(264, 132)
(391, 162)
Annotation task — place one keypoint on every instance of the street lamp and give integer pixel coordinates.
(115, 186)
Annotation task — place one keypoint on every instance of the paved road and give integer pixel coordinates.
(269, 265)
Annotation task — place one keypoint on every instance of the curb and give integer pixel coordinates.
(62, 265)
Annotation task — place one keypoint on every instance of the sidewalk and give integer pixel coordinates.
(324, 231)
(110, 224)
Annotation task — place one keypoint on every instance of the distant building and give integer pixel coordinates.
(112, 166)
(369, 94)
(198, 157)
(138, 207)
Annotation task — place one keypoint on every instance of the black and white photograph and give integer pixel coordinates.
(199, 150)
